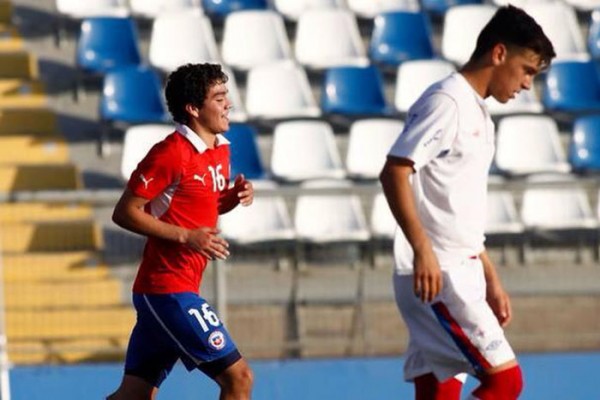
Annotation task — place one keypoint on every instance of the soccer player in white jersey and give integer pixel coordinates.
(435, 181)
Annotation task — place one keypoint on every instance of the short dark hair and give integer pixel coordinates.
(189, 84)
(512, 26)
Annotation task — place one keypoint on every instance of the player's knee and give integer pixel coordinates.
(503, 385)
(238, 379)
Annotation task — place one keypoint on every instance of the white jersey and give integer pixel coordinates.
(449, 136)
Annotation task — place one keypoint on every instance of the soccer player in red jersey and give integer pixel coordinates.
(174, 198)
(435, 181)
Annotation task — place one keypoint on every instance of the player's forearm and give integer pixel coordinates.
(489, 270)
(395, 180)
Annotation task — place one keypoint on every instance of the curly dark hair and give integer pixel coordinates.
(189, 84)
(512, 26)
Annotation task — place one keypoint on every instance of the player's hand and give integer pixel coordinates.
(427, 279)
(499, 302)
(244, 190)
(207, 242)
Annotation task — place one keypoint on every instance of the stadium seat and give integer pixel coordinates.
(400, 36)
(503, 224)
(329, 38)
(572, 86)
(138, 141)
(245, 155)
(368, 145)
(78, 10)
(279, 90)
(370, 8)
(584, 148)
(353, 91)
(440, 7)
(559, 22)
(40, 121)
(99, 293)
(292, 9)
(557, 209)
(152, 9)
(219, 9)
(38, 212)
(462, 25)
(266, 221)
(525, 102)
(528, 145)
(584, 6)
(105, 44)
(383, 223)
(254, 37)
(593, 37)
(305, 150)
(413, 77)
(330, 218)
(181, 38)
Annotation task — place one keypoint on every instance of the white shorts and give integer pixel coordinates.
(456, 333)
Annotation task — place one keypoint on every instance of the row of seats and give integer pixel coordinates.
(323, 38)
(306, 149)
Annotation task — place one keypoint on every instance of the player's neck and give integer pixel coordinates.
(208, 137)
(478, 76)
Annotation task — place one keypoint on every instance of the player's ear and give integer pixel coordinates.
(193, 110)
(499, 53)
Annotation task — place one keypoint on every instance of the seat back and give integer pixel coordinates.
(327, 38)
(440, 7)
(137, 143)
(254, 37)
(353, 90)
(502, 216)
(279, 90)
(572, 86)
(413, 77)
(370, 8)
(525, 102)
(400, 36)
(181, 38)
(584, 148)
(368, 145)
(292, 9)
(305, 150)
(106, 43)
(245, 155)
(559, 22)
(529, 144)
(222, 8)
(132, 95)
(92, 8)
(330, 217)
(383, 223)
(155, 8)
(462, 25)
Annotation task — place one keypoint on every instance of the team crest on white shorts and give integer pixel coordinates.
(217, 340)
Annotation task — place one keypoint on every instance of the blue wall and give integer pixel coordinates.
(570, 376)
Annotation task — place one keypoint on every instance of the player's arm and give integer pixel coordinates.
(242, 192)
(395, 179)
(129, 214)
(496, 296)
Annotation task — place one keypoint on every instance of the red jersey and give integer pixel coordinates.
(182, 178)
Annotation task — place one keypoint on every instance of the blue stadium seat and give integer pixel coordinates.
(221, 8)
(439, 7)
(593, 39)
(130, 95)
(401, 36)
(584, 149)
(353, 91)
(106, 43)
(572, 86)
(245, 155)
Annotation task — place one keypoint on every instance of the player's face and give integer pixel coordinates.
(514, 71)
(214, 114)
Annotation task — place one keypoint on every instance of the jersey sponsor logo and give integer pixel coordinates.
(197, 177)
(493, 345)
(146, 181)
(217, 340)
(436, 136)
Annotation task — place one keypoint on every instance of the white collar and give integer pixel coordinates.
(193, 137)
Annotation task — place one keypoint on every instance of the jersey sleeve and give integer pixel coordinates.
(431, 127)
(160, 168)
